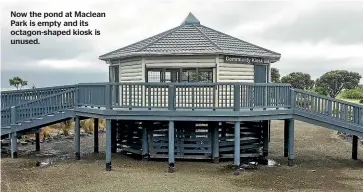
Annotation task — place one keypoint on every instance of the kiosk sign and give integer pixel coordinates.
(245, 60)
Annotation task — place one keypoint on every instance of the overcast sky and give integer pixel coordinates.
(313, 37)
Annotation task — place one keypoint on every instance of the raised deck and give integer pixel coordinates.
(175, 103)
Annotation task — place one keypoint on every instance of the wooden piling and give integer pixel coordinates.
(291, 155)
(95, 136)
(265, 137)
(171, 154)
(237, 146)
(108, 145)
(37, 142)
(355, 147)
(145, 141)
(286, 136)
(215, 142)
(14, 145)
(77, 138)
(114, 136)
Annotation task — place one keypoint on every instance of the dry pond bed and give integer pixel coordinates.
(323, 163)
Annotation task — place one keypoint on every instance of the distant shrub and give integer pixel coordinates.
(361, 101)
(353, 94)
(320, 91)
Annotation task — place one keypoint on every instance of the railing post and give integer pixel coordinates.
(108, 96)
(265, 93)
(76, 96)
(236, 97)
(293, 99)
(171, 97)
(356, 114)
(330, 112)
(13, 115)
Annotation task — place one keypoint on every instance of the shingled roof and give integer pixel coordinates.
(191, 38)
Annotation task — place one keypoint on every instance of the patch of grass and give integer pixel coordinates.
(45, 132)
(348, 100)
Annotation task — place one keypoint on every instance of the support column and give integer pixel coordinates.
(13, 135)
(37, 142)
(215, 143)
(95, 136)
(77, 128)
(237, 146)
(286, 136)
(291, 155)
(14, 145)
(145, 141)
(113, 136)
(108, 145)
(171, 147)
(355, 147)
(265, 136)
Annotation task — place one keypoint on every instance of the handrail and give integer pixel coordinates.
(184, 83)
(11, 98)
(326, 97)
(187, 95)
(37, 108)
(174, 96)
(332, 108)
(38, 89)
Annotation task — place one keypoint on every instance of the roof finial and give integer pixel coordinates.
(191, 19)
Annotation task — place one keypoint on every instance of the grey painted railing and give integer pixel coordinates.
(316, 104)
(185, 95)
(12, 98)
(174, 96)
(38, 108)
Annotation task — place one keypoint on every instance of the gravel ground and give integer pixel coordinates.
(323, 163)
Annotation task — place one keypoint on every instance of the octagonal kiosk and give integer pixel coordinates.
(189, 53)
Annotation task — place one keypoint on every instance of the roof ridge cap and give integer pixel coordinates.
(243, 41)
(157, 40)
(207, 37)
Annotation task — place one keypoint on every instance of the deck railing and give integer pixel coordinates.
(185, 95)
(12, 98)
(174, 96)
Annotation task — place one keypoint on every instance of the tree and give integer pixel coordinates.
(275, 75)
(321, 91)
(17, 82)
(299, 80)
(335, 81)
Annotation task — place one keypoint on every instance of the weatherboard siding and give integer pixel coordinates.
(131, 70)
(228, 72)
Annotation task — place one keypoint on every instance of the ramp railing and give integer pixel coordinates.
(37, 108)
(319, 105)
(16, 97)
